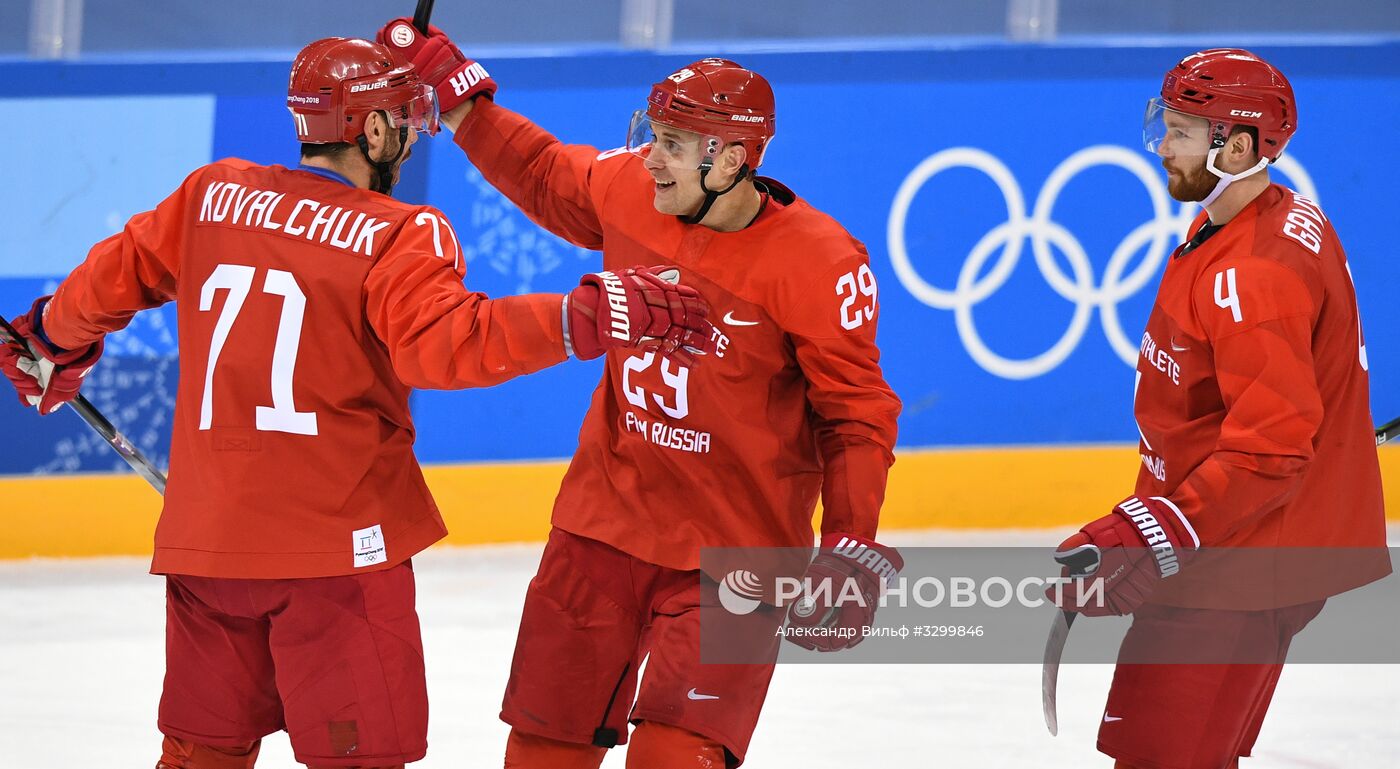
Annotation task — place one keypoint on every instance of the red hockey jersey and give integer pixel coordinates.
(307, 310)
(1252, 395)
(735, 451)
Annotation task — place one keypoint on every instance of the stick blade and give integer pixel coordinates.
(1050, 669)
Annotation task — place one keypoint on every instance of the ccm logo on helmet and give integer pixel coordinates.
(1245, 113)
(369, 86)
(746, 119)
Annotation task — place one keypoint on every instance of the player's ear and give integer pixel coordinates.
(376, 132)
(1242, 148)
(732, 158)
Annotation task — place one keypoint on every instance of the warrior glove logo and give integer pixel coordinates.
(868, 557)
(617, 306)
(1155, 537)
(468, 78)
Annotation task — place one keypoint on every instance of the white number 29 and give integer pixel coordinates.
(237, 279)
(853, 285)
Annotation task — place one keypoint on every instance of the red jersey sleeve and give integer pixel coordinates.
(553, 183)
(133, 270)
(1258, 315)
(832, 326)
(442, 336)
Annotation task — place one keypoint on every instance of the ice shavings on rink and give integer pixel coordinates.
(81, 655)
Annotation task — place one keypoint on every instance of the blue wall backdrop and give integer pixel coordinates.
(1015, 225)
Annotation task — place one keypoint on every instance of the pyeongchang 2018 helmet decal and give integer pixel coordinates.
(1159, 235)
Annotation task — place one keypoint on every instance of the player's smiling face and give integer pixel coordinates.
(673, 160)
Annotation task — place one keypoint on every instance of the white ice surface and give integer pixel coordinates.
(81, 663)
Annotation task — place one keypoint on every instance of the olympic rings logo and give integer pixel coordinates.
(1005, 242)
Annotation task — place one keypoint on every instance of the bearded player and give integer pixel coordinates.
(673, 458)
(310, 302)
(1253, 406)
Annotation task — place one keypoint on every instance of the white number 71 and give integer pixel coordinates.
(282, 416)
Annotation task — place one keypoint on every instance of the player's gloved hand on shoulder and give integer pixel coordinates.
(639, 307)
(438, 62)
(1131, 550)
(827, 618)
(44, 375)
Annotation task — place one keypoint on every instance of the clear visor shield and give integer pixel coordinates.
(420, 113)
(667, 146)
(1168, 133)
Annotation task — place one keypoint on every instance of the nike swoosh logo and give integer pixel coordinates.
(729, 318)
(694, 695)
(1110, 719)
(1178, 348)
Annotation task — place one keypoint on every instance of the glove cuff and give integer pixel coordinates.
(31, 327)
(1163, 528)
(859, 552)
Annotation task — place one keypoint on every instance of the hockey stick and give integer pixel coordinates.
(421, 14)
(1081, 563)
(124, 448)
(1059, 629)
(1388, 431)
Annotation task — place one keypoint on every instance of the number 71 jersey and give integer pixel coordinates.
(308, 309)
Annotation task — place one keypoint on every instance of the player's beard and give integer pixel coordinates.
(1190, 185)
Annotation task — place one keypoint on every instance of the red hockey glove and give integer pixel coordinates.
(829, 617)
(438, 62)
(45, 376)
(639, 307)
(1130, 550)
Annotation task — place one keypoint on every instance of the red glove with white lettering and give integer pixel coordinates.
(45, 376)
(1130, 550)
(438, 62)
(829, 617)
(639, 307)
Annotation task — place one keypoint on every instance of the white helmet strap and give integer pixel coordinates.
(1226, 179)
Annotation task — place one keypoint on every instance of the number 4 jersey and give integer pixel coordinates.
(307, 310)
(735, 451)
(1252, 396)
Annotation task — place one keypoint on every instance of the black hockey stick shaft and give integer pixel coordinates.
(89, 413)
(1388, 431)
(422, 14)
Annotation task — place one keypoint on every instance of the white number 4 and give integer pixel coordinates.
(862, 280)
(1229, 298)
(282, 416)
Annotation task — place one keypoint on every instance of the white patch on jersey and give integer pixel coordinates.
(368, 546)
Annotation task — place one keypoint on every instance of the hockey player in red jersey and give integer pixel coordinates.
(309, 304)
(672, 458)
(1253, 406)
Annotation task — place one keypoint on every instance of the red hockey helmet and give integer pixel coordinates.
(336, 82)
(716, 98)
(1227, 87)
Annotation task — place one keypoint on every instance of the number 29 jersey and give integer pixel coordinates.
(735, 451)
(308, 309)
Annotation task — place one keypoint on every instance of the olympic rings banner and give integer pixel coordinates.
(1016, 228)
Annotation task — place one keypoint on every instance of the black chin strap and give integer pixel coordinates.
(712, 195)
(382, 177)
